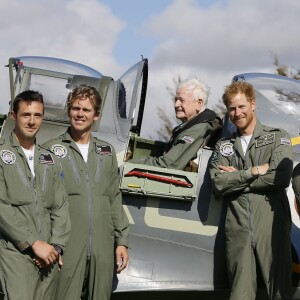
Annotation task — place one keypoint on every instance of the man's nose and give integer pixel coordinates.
(31, 119)
(238, 112)
(80, 113)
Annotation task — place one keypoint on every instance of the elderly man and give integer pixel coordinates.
(197, 122)
(251, 170)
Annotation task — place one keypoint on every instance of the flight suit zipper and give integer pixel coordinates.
(35, 197)
(88, 185)
(37, 210)
(250, 221)
(22, 176)
(246, 164)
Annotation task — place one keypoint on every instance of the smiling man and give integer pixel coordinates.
(99, 224)
(34, 214)
(250, 170)
(197, 123)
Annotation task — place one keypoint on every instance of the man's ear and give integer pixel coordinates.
(253, 104)
(12, 115)
(96, 116)
(200, 105)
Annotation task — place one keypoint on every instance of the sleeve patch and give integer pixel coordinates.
(226, 149)
(188, 139)
(285, 141)
(59, 150)
(8, 157)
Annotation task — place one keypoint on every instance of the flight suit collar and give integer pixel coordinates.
(67, 136)
(258, 131)
(206, 116)
(68, 139)
(15, 143)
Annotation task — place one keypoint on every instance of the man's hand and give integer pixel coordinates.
(41, 264)
(121, 258)
(227, 169)
(260, 170)
(129, 155)
(45, 254)
(60, 262)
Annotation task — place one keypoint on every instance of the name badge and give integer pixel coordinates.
(265, 140)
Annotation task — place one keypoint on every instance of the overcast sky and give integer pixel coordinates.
(213, 40)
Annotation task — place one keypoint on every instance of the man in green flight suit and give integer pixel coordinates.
(197, 123)
(98, 220)
(251, 170)
(34, 211)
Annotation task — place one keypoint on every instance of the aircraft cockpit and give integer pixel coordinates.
(55, 78)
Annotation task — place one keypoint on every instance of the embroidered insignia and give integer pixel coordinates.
(285, 141)
(265, 140)
(46, 158)
(100, 149)
(226, 149)
(59, 150)
(188, 139)
(8, 157)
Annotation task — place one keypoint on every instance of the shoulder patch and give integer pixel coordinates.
(265, 140)
(8, 157)
(285, 141)
(226, 149)
(188, 139)
(101, 149)
(59, 150)
(46, 158)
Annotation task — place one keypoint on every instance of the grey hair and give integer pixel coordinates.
(199, 89)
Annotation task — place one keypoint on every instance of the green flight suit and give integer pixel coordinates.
(258, 220)
(30, 209)
(97, 217)
(184, 144)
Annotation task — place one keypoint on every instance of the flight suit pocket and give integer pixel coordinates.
(103, 204)
(47, 202)
(102, 207)
(18, 187)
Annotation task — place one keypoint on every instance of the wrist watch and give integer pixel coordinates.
(58, 249)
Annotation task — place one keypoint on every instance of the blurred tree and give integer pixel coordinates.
(220, 109)
(288, 71)
(165, 131)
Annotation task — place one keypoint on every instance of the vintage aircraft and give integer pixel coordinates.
(176, 240)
